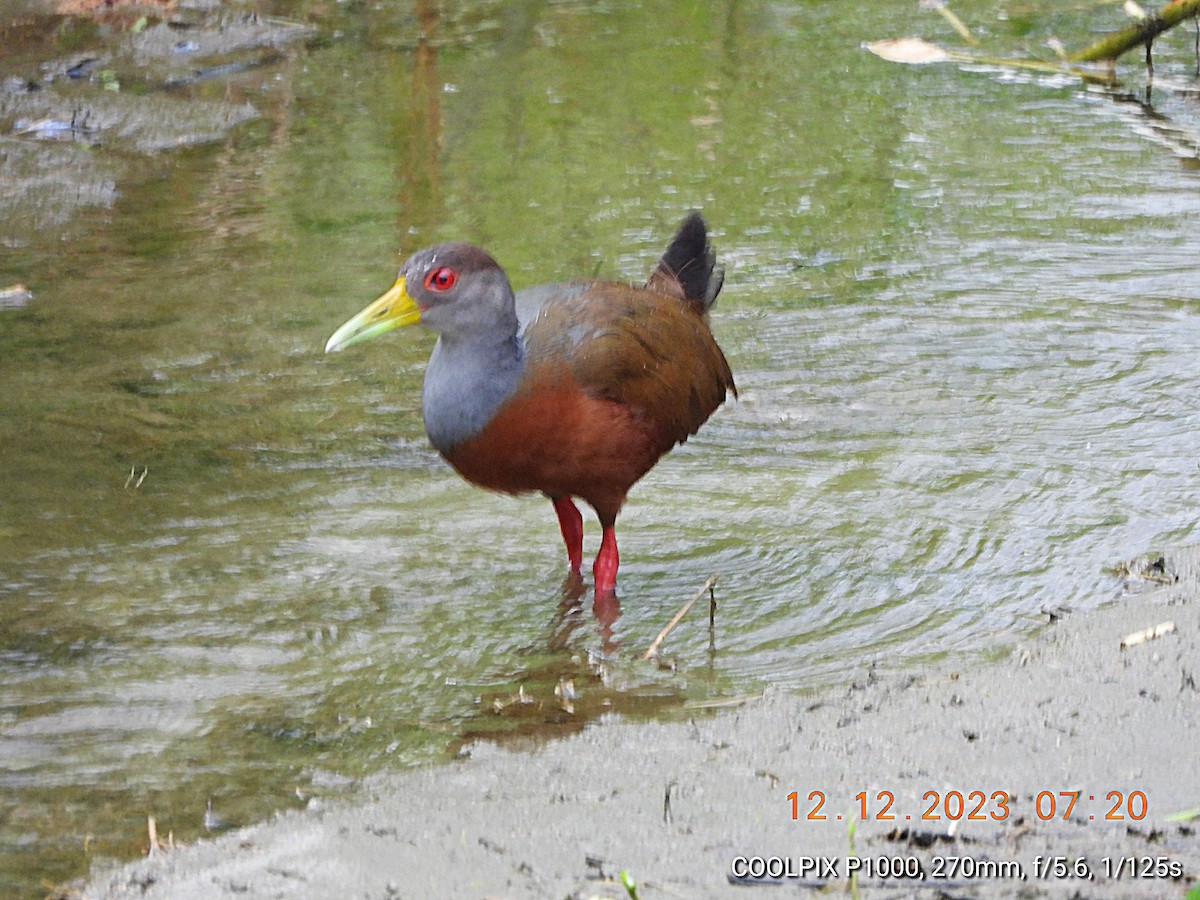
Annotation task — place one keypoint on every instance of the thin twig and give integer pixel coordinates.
(662, 635)
(955, 22)
(724, 704)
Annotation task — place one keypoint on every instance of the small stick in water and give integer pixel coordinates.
(662, 635)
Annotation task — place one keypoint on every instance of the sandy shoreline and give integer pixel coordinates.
(683, 806)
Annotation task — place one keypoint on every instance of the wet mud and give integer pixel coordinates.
(1066, 768)
(82, 102)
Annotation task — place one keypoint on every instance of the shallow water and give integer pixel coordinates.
(960, 307)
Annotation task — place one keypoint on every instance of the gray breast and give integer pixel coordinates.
(466, 382)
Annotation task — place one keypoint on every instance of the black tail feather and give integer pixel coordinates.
(689, 268)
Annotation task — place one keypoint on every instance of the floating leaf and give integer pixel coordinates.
(913, 51)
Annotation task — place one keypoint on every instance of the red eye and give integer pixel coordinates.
(441, 279)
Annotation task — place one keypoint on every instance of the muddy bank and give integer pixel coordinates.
(85, 104)
(687, 807)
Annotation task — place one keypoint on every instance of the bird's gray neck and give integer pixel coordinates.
(466, 382)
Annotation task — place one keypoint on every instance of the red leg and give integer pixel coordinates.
(570, 521)
(604, 569)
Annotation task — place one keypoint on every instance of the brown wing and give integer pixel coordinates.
(649, 351)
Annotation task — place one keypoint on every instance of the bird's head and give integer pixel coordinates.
(458, 290)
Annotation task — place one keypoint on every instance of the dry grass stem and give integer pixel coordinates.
(662, 635)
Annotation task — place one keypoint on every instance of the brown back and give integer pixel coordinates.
(648, 350)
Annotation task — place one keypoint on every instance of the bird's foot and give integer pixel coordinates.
(607, 609)
(573, 586)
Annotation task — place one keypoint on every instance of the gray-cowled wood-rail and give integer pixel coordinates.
(573, 389)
